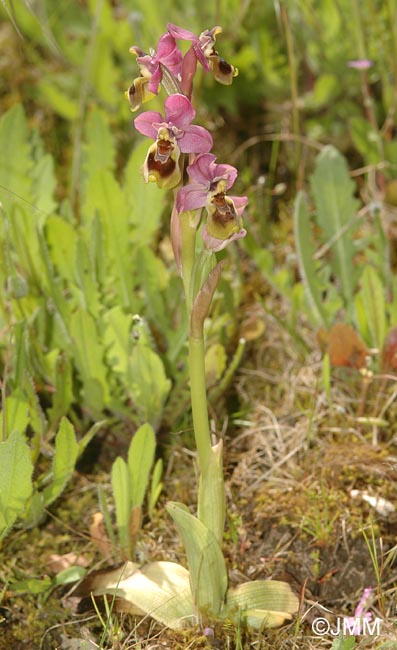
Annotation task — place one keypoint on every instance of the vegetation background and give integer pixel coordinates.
(301, 342)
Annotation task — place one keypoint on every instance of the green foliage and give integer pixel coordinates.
(130, 484)
(98, 264)
(336, 207)
(16, 469)
(21, 495)
(328, 260)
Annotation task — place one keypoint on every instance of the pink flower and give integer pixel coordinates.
(179, 113)
(206, 177)
(360, 64)
(202, 50)
(361, 607)
(208, 186)
(167, 56)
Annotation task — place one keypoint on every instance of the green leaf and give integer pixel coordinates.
(122, 499)
(15, 165)
(344, 643)
(156, 486)
(333, 191)
(140, 461)
(63, 394)
(261, 603)
(372, 295)
(16, 469)
(89, 358)
(99, 150)
(207, 567)
(16, 416)
(66, 454)
(305, 252)
(62, 237)
(145, 201)
(105, 197)
(148, 384)
(117, 339)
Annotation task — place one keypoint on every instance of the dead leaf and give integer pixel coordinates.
(99, 536)
(57, 563)
(345, 348)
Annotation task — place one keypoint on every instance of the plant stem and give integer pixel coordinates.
(199, 399)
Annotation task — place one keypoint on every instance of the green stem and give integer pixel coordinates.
(188, 254)
(199, 399)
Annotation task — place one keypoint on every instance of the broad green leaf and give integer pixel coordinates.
(148, 385)
(89, 358)
(122, 499)
(16, 486)
(333, 192)
(15, 161)
(105, 197)
(58, 98)
(62, 237)
(117, 339)
(372, 295)
(44, 184)
(63, 394)
(140, 461)
(15, 416)
(306, 262)
(207, 567)
(99, 150)
(261, 603)
(159, 589)
(145, 200)
(66, 454)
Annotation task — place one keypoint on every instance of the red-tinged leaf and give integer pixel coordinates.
(345, 348)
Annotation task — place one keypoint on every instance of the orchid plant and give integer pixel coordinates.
(204, 220)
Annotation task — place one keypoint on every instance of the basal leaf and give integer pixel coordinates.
(158, 589)
(261, 603)
(122, 499)
(333, 192)
(16, 164)
(105, 198)
(89, 358)
(117, 339)
(99, 149)
(16, 469)
(66, 453)
(15, 416)
(207, 567)
(306, 262)
(140, 461)
(372, 296)
(148, 384)
(145, 200)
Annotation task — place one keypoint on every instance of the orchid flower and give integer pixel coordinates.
(161, 65)
(202, 50)
(173, 134)
(208, 186)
